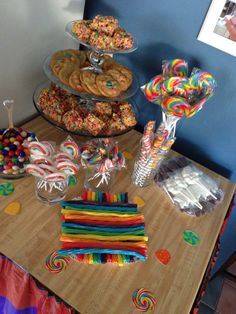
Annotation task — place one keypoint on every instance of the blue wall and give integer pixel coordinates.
(167, 29)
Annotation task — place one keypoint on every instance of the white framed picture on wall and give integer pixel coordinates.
(219, 27)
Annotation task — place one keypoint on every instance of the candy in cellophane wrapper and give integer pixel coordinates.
(191, 190)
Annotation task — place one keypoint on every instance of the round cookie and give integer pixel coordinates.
(120, 77)
(89, 79)
(108, 62)
(68, 54)
(66, 72)
(124, 70)
(75, 82)
(108, 85)
(57, 66)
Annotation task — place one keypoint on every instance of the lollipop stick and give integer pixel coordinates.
(8, 104)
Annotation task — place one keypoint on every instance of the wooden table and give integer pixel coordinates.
(101, 289)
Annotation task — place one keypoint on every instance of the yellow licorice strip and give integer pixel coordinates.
(63, 211)
(125, 244)
(90, 256)
(93, 196)
(120, 260)
(108, 238)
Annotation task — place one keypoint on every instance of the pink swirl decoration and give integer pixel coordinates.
(144, 300)
(56, 263)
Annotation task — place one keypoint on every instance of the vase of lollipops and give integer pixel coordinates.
(153, 149)
(178, 96)
(101, 158)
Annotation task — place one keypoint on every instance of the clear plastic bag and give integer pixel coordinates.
(190, 189)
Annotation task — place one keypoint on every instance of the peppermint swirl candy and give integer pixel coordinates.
(153, 90)
(144, 300)
(56, 263)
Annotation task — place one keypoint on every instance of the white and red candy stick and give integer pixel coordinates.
(35, 170)
(49, 146)
(47, 169)
(63, 157)
(37, 148)
(71, 148)
(67, 167)
(57, 176)
(41, 160)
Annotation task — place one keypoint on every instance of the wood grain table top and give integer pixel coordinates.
(107, 289)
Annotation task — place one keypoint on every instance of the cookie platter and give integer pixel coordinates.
(132, 89)
(82, 117)
(89, 91)
(101, 49)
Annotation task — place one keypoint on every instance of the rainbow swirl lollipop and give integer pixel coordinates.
(177, 86)
(175, 67)
(144, 300)
(153, 89)
(202, 84)
(176, 106)
(56, 263)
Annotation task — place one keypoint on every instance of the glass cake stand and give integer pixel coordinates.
(96, 54)
(87, 105)
(99, 51)
(125, 95)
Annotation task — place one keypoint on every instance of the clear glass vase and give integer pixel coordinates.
(145, 170)
(50, 192)
(99, 181)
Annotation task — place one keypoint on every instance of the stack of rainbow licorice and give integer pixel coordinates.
(95, 232)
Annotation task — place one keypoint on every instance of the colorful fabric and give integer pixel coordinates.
(97, 231)
(19, 293)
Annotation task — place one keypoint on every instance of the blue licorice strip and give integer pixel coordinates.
(107, 229)
(103, 204)
(99, 207)
(107, 251)
(102, 225)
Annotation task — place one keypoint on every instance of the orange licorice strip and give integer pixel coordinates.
(114, 258)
